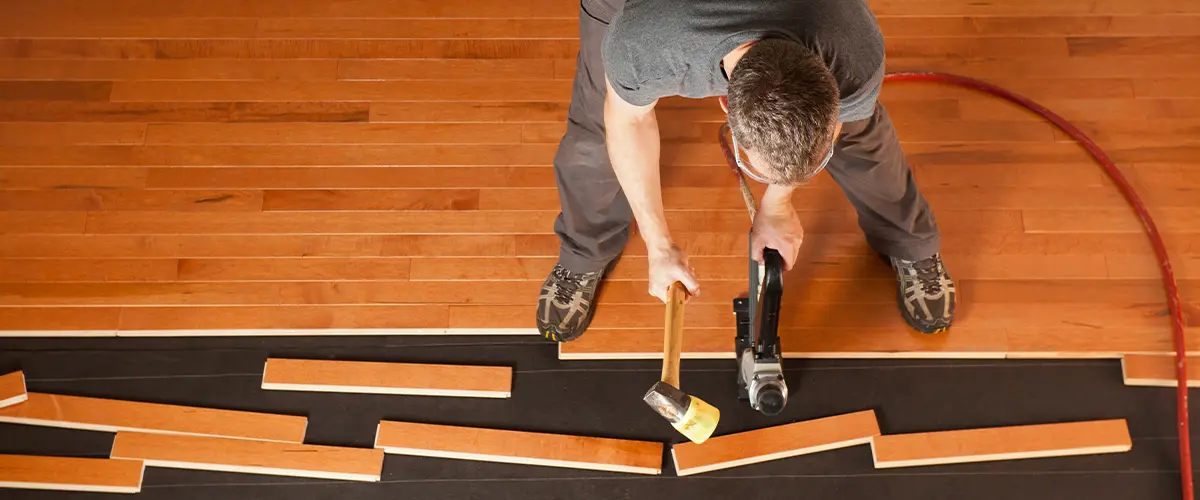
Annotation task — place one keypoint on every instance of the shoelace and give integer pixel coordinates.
(568, 283)
(928, 276)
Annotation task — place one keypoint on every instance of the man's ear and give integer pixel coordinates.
(724, 100)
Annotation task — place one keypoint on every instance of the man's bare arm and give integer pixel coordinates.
(633, 148)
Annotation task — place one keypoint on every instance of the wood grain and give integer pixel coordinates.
(138, 112)
(112, 415)
(517, 447)
(1157, 371)
(251, 457)
(12, 389)
(70, 474)
(220, 319)
(419, 379)
(168, 69)
(775, 443)
(1001, 443)
(302, 269)
(91, 270)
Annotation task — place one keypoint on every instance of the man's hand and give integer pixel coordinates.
(777, 226)
(668, 265)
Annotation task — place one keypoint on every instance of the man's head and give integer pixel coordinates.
(783, 109)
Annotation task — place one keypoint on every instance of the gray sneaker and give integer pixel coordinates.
(565, 304)
(925, 293)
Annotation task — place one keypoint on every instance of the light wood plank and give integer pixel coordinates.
(446, 69)
(216, 246)
(66, 321)
(99, 475)
(1001, 443)
(130, 200)
(445, 90)
(50, 270)
(81, 27)
(775, 443)
(333, 223)
(288, 27)
(330, 133)
(527, 448)
(222, 319)
(112, 415)
(1157, 370)
(12, 223)
(138, 294)
(12, 389)
(68, 134)
(250, 457)
(323, 48)
(77, 49)
(120, 9)
(139, 112)
(416, 379)
(285, 269)
(330, 199)
(168, 69)
(1171, 220)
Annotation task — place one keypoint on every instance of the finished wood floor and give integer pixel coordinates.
(224, 167)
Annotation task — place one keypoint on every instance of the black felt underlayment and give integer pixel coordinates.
(603, 398)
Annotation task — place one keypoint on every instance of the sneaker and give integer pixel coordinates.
(925, 293)
(565, 303)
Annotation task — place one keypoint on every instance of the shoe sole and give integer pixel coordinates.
(591, 313)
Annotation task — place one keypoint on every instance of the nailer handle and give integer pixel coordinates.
(673, 333)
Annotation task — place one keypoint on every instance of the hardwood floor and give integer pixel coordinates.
(223, 167)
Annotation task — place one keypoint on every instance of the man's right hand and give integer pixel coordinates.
(667, 266)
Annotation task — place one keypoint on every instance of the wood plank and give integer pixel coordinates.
(331, 199)
(775, 443)
(48, 270)
(1128, 45)
(452, 222)
(113, 415)
(1171, 220)
(220, 320)
(1025, 25)
(909, 132)
(431, 90)
(1084, 109)
(1157, 370)
(77, 49)
(1001, 443)
(168, 69)
(105, 178)
(42, 222)
(1047, 66)
(110, 200)
(138, 294)
(498, 111)
(446, 69)
(934, 47)
(1167, 88)
(294, 155)
(301, 269)
(73, 27)
(1078, 339)
(250, 457)
(290, 27)
(330, 133)
(12, 389)
(282, 245)
(343, 178)
(516, 447)
(415, 379)
(139, 112)
(70, 134)
(100, 475)
(370, 49)
(303, 9)
(67, 321)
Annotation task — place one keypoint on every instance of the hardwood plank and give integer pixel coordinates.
(1183, 266)
(1167, 88)
(336, 200)
(91, 28)
(94, 199)
(446, 69)
(1128, 45)
(466, 112)
(69, 134)
(352, 48)
(87, 270)
(1025, 25)
(42, 222)
(346, 91)
(453, 222)
(1180, 220)
(416, 379)
(330, 133)
(1076, 338)
(250, 457)
(909, 132)
(139, 112)
(72, 178)
(1001, 443)
(99, 475)
(1157, 370)
(302, 9)
(1085, 109)
(12, 389)
(934, 47)
(286, 269)
(113, 415)
(1011, 175)
(290, 155)
(775, 443)
(566, 28)
(138, 294)
(1034, 88)
(219, 320)
(148, 246)
(169, 69)
(77, 49)
(67, 321)
(1047, 66)
(333, 179)
(1174, 176)
(516, 447)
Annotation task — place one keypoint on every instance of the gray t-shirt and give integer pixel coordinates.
(661, 48)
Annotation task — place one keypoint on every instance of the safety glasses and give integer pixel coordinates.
(746, 168)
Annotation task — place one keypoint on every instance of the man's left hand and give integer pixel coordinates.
(777, 226)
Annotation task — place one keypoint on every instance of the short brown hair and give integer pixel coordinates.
(783, 104)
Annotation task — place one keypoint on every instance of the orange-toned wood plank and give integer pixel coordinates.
(1183, 266)
(247, 245)
(90, 28)
(1025, 25)
(1001, 443)
(67, 134)
(449, 90)
(72, 178)
(1157, 370)
(12, 389)
(302, 9)
(51, 111)
(1035, 88)
(446, 69)
(335, 200)
(283, 27)
(1180, 177)
(222, 320)
(934, 47)
(250, 457)
(1016, 175)
(1078, 338)
(526, 448)
(321, 222)
(112, 415)
(77, 49)
(775, 443)
(925, 131)
(352, 48)
(120, 294)
(99, 475)
(103, 199)
(64, 321)
(168, 69)
(348, 178)
(1127, 45)
(43, 270)
(1085, 109)
(302, 269)
(407, 292)
(1182, 220)
(330, 133)
(42, 222)
(498, 111)
(419, 379)
(1098, 66)
(1167, 87)
(1126, 132)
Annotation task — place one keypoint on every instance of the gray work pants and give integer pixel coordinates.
(594, 224)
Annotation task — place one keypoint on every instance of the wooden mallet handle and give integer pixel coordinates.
(673, 333)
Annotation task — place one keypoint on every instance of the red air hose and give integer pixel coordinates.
(1164, 261)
